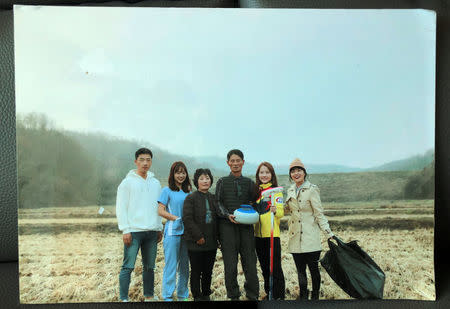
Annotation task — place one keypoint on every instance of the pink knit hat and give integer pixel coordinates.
(296, 163)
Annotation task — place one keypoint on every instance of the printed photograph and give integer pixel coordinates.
(189, 154)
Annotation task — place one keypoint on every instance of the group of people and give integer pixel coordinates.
(199, 222)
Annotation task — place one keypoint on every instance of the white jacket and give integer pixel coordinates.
(136, 203)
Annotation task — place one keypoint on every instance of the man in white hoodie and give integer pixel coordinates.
(138, 219)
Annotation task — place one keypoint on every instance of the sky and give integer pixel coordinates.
(349, 87)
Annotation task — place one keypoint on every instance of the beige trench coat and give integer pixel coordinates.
(306, 220)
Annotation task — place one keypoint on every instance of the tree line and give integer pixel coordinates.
(64, 168)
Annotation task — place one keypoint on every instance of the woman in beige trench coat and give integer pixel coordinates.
(305, 223)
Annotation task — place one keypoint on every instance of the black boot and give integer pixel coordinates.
(303, 295)
(315, 295)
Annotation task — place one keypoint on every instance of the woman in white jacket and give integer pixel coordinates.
(305, 222)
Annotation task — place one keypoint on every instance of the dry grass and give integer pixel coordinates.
(423, 204)
(395, 206)
(84, 267)
(67, 221)
(75, 255)
(67, 212)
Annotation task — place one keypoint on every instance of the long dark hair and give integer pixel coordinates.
(258, 182)
(186, 185)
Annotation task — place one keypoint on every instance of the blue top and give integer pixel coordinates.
(173, 200)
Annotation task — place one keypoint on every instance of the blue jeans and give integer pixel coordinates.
(147, 242)
(176, 261)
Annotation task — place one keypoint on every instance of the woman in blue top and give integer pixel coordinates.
(175, 251)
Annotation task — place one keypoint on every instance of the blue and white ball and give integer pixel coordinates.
(246, 215)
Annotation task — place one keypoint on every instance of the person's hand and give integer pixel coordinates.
(201, 241)
(231, 218)
(159, 237)
(273, 209)
(127, 238)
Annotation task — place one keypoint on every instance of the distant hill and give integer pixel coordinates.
(337, 182)
(120, 155)
(71, 168)
(413, 163)
(320, 169)
(123, 150)
(362, 186)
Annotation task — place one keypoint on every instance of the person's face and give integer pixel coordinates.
(180, 176)
(204, 182)
(297, 175)
(264, 174)
(235, 163)
(143, 163)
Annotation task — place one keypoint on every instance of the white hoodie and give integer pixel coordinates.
(136, 203)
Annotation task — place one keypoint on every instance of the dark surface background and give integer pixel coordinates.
(9, 283)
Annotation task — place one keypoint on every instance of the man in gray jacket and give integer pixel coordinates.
(137, 216)
(236, 239)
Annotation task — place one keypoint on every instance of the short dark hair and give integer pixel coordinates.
(143, 151)
(235, 152)
(202, 171)
(186, 185)
(302, 168)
